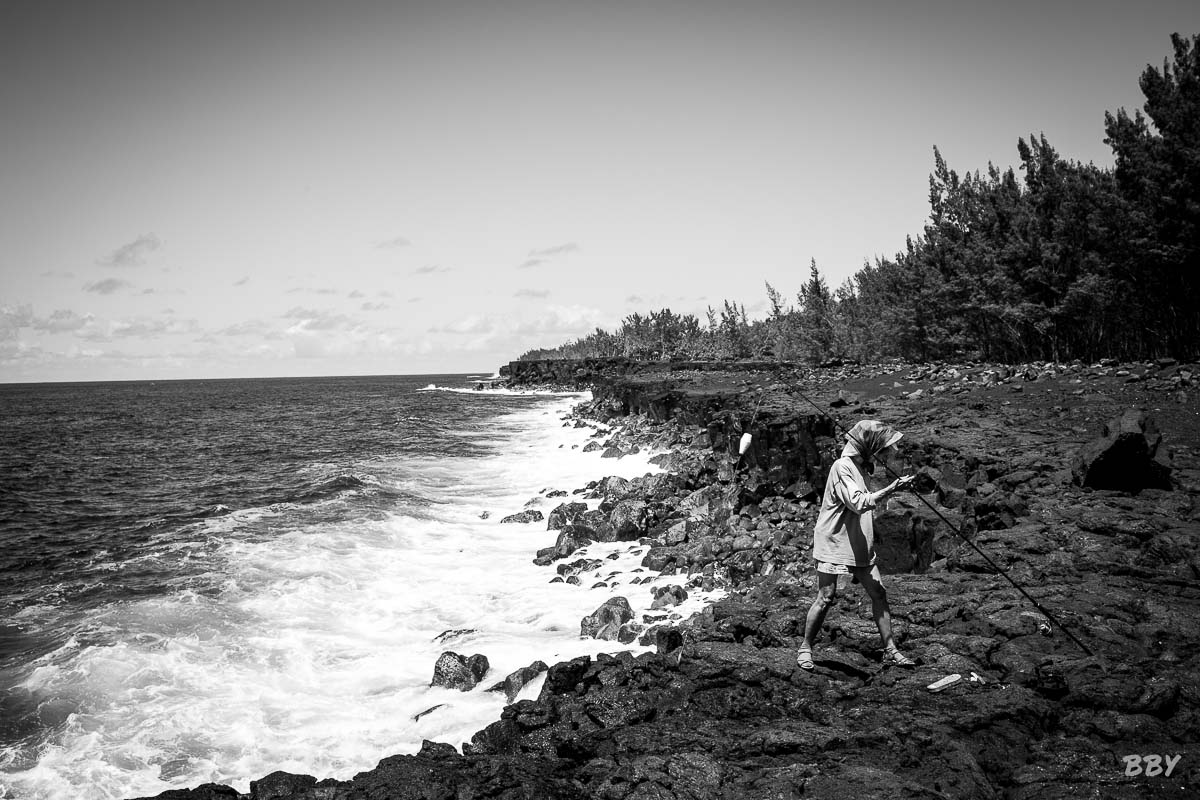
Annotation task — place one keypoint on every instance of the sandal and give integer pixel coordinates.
(896, 658)
(804, 659)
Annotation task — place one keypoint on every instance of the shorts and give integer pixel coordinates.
(837, 569)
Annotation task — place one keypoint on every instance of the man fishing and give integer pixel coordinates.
(844, 538)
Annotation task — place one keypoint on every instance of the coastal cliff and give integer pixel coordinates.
(1079, 481)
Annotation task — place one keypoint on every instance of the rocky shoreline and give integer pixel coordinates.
(719, 709)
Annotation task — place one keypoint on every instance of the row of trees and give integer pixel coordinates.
(667, 335)
(1068, 261)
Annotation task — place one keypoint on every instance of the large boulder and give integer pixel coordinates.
(571, 538)
(654, 487)
(453, 671)
(565, 514)
(281, 786)
(1125, 457)
(516, 680)
(606, 621)
(613, 488)
(597, 520)
(705, 501)
(628, 518)
(667, 596)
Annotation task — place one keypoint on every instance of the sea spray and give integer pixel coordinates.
(302, 636)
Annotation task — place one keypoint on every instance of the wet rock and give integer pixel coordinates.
(207, 791)
(606, 621)
(281, 786)
(570, 539)
(580, 565)
(613, 488)
(667, 596)
(524, 517)
(516, 680)
(630, 632)
(703, 501)
(597, 521)
(680, 532)
(454, 633)
(667, 461)
(628, 519)
(654, 488)
(667, 640)
(1125, 457)
(453, 671)
(564, 514)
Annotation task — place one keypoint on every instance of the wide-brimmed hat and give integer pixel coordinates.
(868, 437)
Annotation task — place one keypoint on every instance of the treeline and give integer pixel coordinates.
(1067, 261)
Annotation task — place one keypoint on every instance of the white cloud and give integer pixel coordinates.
(132, 254)
(393, 244)
(312, 290)
(532, 293)
(62, 321)
(107, 286)
(473, 324)
(13, 318)
(552, 325)
(566, 320)
(252, 327)
(314, 343)
(93, 329)
(14, 351)
(311, 319)
(142, 328)
(556, 250)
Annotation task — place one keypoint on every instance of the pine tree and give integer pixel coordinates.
(1158, 172)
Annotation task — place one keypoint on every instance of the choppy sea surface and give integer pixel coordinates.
(207, 581)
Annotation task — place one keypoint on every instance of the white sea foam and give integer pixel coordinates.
(500, 390)
(310, 642)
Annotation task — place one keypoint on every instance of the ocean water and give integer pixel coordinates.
(212, 580)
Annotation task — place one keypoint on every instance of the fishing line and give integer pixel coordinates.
(959, 533)
(744, 444)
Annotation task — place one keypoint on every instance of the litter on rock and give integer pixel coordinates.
(944, 683)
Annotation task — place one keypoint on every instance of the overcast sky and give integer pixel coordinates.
(229, 189)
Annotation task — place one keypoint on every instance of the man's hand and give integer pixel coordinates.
(903, 482)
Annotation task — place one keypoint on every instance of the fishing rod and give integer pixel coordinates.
(893, 474)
